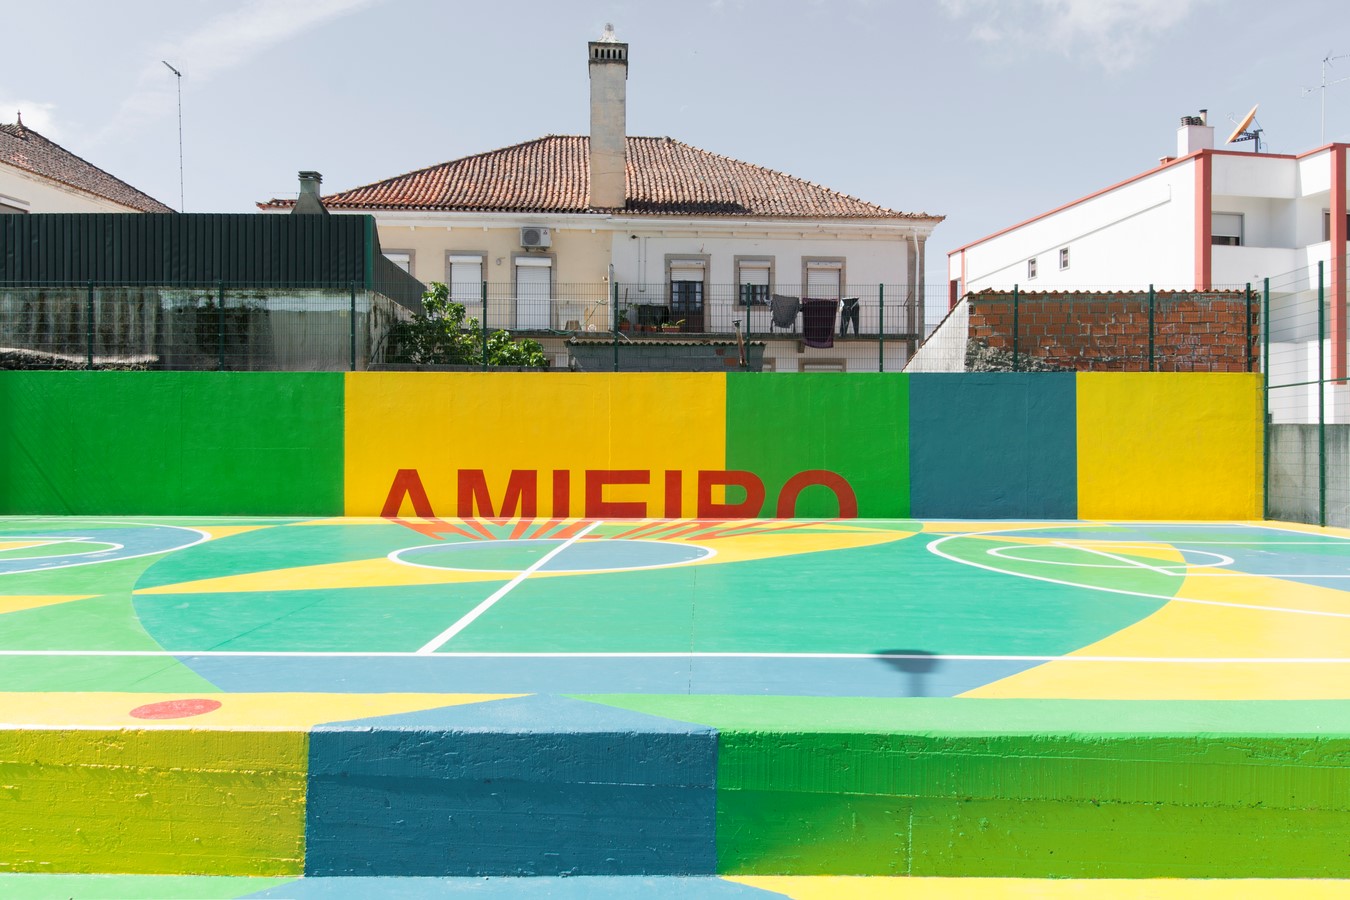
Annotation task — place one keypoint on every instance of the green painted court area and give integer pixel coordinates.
(864, 608)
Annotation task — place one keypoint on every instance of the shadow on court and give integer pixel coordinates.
(914, 665)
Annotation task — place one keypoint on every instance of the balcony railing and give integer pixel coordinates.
(892, 311)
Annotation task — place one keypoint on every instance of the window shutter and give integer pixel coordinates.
(686, 270)
(533, 293)
(466, 279)
(822, 282)
(755, 274)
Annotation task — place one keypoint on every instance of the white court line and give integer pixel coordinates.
(1334, 537)
(673, 654)
(933, 548)
(439, 640)
(1120, 559)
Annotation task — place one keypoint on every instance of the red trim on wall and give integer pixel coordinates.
(1338, 268)
(1204, 219)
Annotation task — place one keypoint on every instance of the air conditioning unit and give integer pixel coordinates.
(534, 236)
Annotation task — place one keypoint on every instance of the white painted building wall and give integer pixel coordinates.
(1144, 231)
(29, 193)
(1108, 237)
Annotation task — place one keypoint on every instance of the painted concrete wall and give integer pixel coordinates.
(709, 445)
(651, 784)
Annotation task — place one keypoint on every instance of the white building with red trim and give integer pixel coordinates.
(1205, 219)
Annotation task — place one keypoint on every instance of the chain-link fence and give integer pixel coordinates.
(1104, 330)
(195, 327)
(1307, 401)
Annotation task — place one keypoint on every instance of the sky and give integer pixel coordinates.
(982, 111)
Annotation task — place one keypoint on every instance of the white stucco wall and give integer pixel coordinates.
(41, 195)
(1138, 233)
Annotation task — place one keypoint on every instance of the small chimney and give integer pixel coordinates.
(608, 62)
(1195, 134)
(308, 203)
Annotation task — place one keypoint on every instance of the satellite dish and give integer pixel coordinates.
(1242, 126)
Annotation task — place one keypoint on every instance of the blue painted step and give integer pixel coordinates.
(538, 785)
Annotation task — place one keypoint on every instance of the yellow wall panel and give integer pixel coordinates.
(440, 424)
(1168, 445)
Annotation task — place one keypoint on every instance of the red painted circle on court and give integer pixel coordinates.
(175, 709)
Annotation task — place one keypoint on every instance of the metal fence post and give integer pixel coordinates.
(1248, 351)
(1321, 402)
(1265, 400)
(483, 290)
(1016, 304)
(89, 327)
(881, 328)
(220, 288)
(1152, 297)
(614, 321)
(352, 325)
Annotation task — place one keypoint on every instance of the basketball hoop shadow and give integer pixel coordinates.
(915, 664)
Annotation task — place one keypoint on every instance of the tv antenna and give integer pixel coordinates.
(1240, 133)
(179, 76)
(1322, 88)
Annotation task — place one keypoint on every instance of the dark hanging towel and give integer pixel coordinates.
(785, 311)
(818, 322)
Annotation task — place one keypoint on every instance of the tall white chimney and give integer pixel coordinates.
(1195, 134)
(609, 101)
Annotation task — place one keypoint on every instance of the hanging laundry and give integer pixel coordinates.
(848, 312)
(818, 322)
(785, 311)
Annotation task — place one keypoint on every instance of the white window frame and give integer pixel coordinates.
(467, 258)
(1227, 218)
(527, 313)
(1326, 225)
(1031, 268)
(822, 263)
(1063, 258)
(408, 257)
(758, 264)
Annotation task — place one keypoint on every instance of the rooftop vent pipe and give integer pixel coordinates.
(308, 203)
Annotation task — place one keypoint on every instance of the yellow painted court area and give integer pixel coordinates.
(1169, 445)
(238, 712)
(500, 422)
(15, 602)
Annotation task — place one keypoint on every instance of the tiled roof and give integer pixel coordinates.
(23, 148)
(552, 175)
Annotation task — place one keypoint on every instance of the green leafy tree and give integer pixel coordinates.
(445, 334)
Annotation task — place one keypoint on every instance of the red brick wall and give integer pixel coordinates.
(1108, 332)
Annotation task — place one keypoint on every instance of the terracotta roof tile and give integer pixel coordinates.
(552, 175)
(23, 148)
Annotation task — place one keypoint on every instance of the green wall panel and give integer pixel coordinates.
(856, 426)
(171, 443)
(1024, 788)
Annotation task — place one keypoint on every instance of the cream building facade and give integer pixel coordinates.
(573, 235)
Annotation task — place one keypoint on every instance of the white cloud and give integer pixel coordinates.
(1114, 34)
(220, 44)
(40, 117)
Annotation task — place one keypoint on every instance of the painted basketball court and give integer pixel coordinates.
(856, 608)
